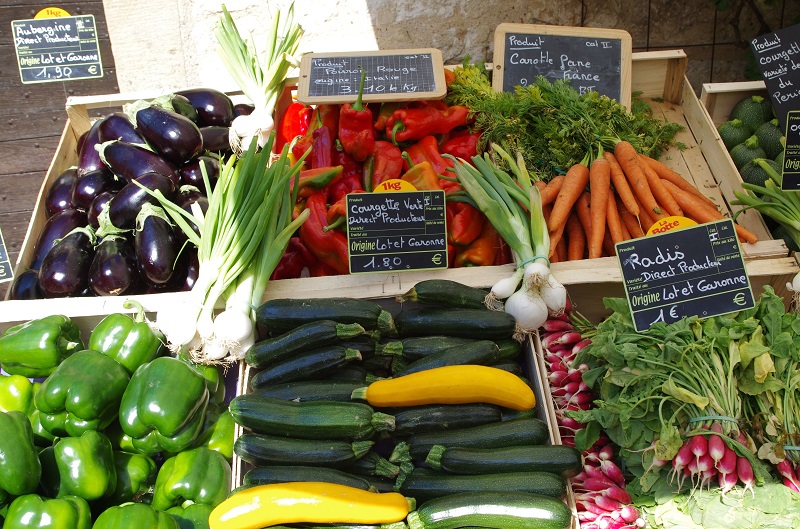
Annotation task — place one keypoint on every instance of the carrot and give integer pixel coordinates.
(550, 190)
(628, 159)
(629, 220)
(574, 183)
(561, 250)
(582, 208)
(665, 173)
(576, 238)
(663, 197)
(608, 244)
(621, 185)
(613, 221)
(600, 188)
(701, 212)
(555, 237)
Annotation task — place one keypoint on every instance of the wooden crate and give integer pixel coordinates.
(719, 98)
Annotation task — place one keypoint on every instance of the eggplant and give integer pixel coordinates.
(65, 269)
(188, 195)
(121, 211)
(129, 161)
(113, 271)
(117, 126)
(26, 286)
(216, 139)
(243, 109)
(192, 175)
(175, 137)
(213, 107)
(183, 106)
(88, 186)
(190, 265)
(59, 195)
(56, 227)
(89, 159)
(156, 245)
(97, 205)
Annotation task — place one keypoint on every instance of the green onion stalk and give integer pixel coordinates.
(513, 206)
(261, 83)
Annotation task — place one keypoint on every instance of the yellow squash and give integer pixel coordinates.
(307, 502)
(457, 384)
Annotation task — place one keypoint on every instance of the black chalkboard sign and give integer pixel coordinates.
(778, 57)
(791, 155)
(57, 49)
(696, 271)
(396, 231)
(392, 75)
(591, 59)
(6, 270)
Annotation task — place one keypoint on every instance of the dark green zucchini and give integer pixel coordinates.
(308, 390)
(415, 347)
(374, 464)
(510, 349)
(464, 323)
(416, 419)
(266, 475)
(480, 352)
(497, 510)
(424, 484)
(320, 419)
(379, 364)
(365, 344)
(510, 366)
(350, 372)
(445, 293)
(520, 432)
(309, 365)
(559, 459)
(261, 450)
(281, 315)
(311, 335)
(395, 525)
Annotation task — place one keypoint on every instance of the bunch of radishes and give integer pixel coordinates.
(600, 496)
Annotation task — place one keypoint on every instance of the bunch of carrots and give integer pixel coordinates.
(615, 196)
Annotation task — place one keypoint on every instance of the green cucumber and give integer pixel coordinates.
(416, 419)
(266, 475)
(498, 510)
(424, 484)
(445, 293)
(519, 432)
(374, 464)
(480, 352)
(311, 335)
(464, 323)
(308, 420)
(281, 315)
(559, 459)
(261, 450)
(312, 364)
(308, 390)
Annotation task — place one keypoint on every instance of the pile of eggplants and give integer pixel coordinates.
(105, 235)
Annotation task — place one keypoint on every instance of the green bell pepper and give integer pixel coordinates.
(130, 341)
(34, 349)
(82, 394)
(79, 466)
(136, 473)
(41, 437)
(213, 377)
(199, 475)
(33, 511)
(138, 515)
(16, 393)
(218, 430)
(194, 516)
(164, 406)
(20, 469)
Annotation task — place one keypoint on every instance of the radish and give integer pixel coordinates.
(716, 447)
(745, 471)
(698, 445)
(785, 469)
(727, 481)
(727, 463)
(554, 325)
(680, 462)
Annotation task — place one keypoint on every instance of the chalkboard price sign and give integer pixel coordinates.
(57, 49)
(396, 231)
(391, 75)
(590, 59)
(6, 270)
(778, 57)
(791, 155)
(696, 271)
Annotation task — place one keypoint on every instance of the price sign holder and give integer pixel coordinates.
(791, 156)
(397, 231)
(694, 271)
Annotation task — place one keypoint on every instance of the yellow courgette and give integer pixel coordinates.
(457, 384)
(307, 502)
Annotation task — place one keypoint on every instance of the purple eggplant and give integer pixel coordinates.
(117, 126)
(65, 269)
(172, 135)
(216, 139)
(88, 186)
(59, 195)
(243, 109)
(213, 107)
(183, 106)
(97, 205)
(188, 195)
(56, 227)
(129, 161)
(113, 271)
(190, 266)
(157, 246)
(26, 286)
(122, 209)
(192, 175)
(89, 159)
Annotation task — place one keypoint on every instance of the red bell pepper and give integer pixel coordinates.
(482, 251)
(427, 149)
(386, 163)
(294, 260)
(384, 113)
(463, 146)
(321, 148)
(355, 126)
(464, 223)
(312, 180)
(351, 177)
(329, 247)
(293, 123)
(422, 177)
(408, 124)
(322, 115)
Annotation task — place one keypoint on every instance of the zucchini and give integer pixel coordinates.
(350, 372)
(264, 475)
(415, 347)
(510, 349)
(308, 390)
(559, 459)
(281, 315)
(308, 420)
(464, 323)
(312, 364)
(424, 484)
(497, 510)
(260, 450)
(510, 366)
(413, 420)
(478, 352)
(519, 432)
(374, 464)
(395, 525)
(445, 293)
(311, 335)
